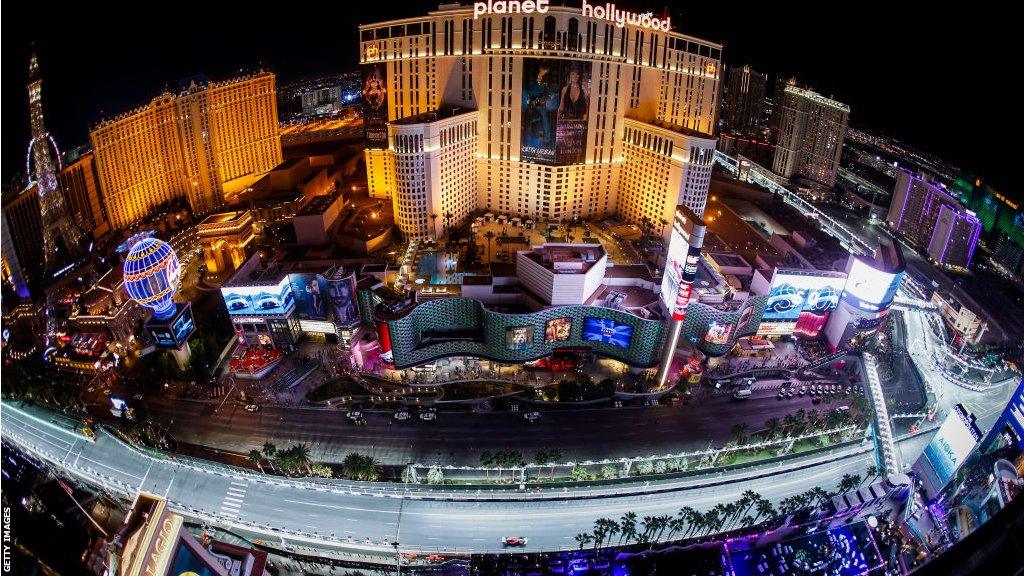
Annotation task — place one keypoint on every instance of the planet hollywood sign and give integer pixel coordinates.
(607, 11)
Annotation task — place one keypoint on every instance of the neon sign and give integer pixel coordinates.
(607, 11)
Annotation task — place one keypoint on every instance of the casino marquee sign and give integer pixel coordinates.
(607, 11)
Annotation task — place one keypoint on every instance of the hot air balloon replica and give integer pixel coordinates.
(151, 274)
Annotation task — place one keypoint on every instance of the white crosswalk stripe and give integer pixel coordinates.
(231, 505)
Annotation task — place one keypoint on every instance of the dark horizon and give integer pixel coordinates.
(925, 85)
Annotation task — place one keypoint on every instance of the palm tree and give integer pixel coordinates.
(871, 472)
(627, 526)
(849, 482)
(749, 499)
(433, 224)
(789, 423)
(301, 456)
(554, 457)
(739, 432)
(269, 450)
(540, 458)
(447, 222)
(256, 458)
(675, 525)
(487, 460)
(689, 516)
(490, 236)
(663, 223)
(662, 523)
(765, 509)
(582, 539)
(648, 524)
(772, 425)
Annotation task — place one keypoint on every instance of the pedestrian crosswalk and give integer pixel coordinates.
(232, 502)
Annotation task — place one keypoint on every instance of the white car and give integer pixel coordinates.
(403, 415)
(354, 415)
(428, 416)
(531, 416)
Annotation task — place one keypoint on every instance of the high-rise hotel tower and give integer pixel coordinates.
(538, 111)
(202, 144)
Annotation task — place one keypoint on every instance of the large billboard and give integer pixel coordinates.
(870, 289)
(558, 330)
(680, 272)
(309, 291)
(796, 291)
(555, 111)
(518, 337)
(375, 105)
(607, 331)
(268, 299)
(341, 300)
(946, 452)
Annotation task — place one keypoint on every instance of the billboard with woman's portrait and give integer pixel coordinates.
(555, 111)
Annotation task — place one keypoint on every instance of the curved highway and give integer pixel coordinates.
(341, 515)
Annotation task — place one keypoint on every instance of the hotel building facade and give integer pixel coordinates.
(811, 133)
(559, 114)
(203, 145)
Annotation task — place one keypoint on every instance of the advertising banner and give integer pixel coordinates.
(718, 332)
(269, 299)
(555, 111)
(870, 289)
(797, 291)
(518, 337)
(340, 299)
(946, 452)
(309, 290)
(607, 331)
(558, 330)
(375, 105)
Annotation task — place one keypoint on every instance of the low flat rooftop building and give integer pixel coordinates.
(562, 273)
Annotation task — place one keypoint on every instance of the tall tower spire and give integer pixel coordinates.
(58, 227)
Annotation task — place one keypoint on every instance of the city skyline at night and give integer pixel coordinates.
(510, 288)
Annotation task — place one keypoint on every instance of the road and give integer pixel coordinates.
(336, 514)
(458, 438)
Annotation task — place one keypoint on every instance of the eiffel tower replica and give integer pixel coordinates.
(58, 225)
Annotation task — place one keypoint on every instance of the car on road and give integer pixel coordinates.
(742, 394)
(403, 415)
(784, 299)
(252, 407)
(354, 415)
(531, 416)
(803, 390)
(789, 393)
(514, 540)
(428, 416)
(781, 394)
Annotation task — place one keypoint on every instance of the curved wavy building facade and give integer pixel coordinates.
(569, 115)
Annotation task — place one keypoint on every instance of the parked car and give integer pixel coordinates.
(514, 540)
(531, 416)
(252, 407)
(428, 416)
(403, 415)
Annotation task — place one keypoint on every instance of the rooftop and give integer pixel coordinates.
(318, 205)
(566, 258)
(442, 113)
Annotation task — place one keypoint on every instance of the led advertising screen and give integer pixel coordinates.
(680, 271)
(555, 111)
(309, 291)
(718, 332)
(375, 105)
(796, 291)
(518, 337)
(341, 300)
(946, 452)
(270, 299)
(607, 331)
(870, 289)
(183, 325)
(558, 330)
(172, 332)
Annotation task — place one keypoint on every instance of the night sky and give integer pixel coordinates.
(940, 81)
